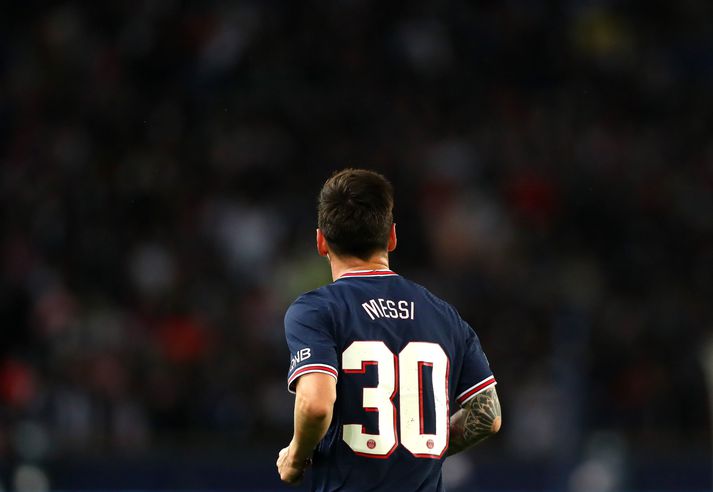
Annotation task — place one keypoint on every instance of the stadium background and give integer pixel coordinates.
(553, 164)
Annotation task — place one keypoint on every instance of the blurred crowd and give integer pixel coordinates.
(159, 166)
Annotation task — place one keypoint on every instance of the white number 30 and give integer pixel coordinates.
(409, 366)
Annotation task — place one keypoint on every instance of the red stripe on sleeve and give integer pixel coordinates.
(471, 392)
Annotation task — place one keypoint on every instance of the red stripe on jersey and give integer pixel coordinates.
(312, 368)
(368, 273)
(485, 383)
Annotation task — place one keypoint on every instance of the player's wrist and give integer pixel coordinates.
(298, 458)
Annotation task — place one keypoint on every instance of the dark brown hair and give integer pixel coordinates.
(355, 212)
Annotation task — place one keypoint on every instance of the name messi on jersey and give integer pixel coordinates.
(386, 308)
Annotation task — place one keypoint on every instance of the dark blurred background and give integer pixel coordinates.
(159, 165)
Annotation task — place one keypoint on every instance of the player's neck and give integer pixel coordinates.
(340, 265)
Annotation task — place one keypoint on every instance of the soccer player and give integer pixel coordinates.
(377, 361)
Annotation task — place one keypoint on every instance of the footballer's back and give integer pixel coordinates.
(402, 358)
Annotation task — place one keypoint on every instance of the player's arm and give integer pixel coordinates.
(478, 418)
(314, 403)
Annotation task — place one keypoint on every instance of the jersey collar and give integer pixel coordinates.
(368, 273)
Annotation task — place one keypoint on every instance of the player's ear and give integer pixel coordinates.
(321, 244)
(392, 239)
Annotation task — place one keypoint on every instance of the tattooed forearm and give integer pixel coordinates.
(478, 419)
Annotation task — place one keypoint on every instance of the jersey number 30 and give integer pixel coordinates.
(405, 374)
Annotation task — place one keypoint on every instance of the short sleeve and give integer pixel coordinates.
(476, 375)
(310, 340)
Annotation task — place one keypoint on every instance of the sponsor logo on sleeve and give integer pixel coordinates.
(301, 356)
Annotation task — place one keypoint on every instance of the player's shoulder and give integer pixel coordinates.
(437, 302)
(312, 304)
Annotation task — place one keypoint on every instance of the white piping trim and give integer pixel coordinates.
(316, 368)
(367, 276)
(493, 382)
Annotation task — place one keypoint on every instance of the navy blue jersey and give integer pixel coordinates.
(402, 359)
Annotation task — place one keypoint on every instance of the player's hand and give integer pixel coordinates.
(290, 471)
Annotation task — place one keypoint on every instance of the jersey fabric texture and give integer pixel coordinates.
(341, 330)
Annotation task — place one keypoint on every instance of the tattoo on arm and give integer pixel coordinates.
(479, 418)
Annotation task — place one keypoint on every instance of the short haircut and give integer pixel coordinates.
(355, 212)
